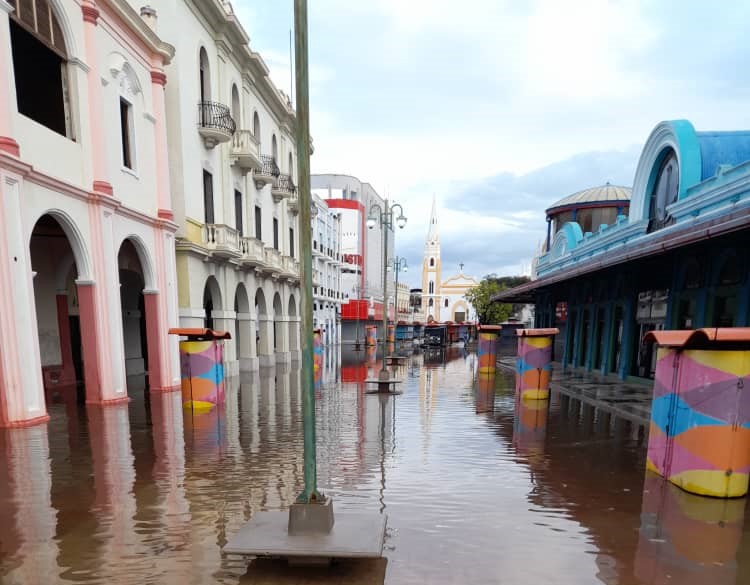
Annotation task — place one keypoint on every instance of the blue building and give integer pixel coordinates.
(678, 259)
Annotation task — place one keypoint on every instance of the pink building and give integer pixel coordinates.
(87, 264)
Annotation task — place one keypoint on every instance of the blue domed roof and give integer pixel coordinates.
(594, 195)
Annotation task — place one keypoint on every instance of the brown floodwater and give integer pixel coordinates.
(478, 489)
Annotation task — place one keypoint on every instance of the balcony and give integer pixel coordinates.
(269, 172)
(252, 252)
(215, 123)
(273, 260)
(222, 240)
(290, 268)
(245, 152)
(283, 188)
(293, 203)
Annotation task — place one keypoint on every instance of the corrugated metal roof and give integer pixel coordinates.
(601, 194)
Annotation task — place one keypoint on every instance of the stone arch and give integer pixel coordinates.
(459, 304)
(235, 105)
(278, 335)
(138, 320)
(260, 302)
(211, 300)
(75, 239)
(256, 125)
(147, 264)
(293, 325)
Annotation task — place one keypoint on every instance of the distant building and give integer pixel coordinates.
(326, 249)
(361, 252)
(443, 300)
(673, 256)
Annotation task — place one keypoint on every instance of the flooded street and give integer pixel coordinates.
(477, 489)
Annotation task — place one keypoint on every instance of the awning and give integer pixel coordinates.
(198, 334)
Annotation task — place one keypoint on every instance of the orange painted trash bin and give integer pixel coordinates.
(534, 362)
(371, 335)
(487, 348)
(391, 334)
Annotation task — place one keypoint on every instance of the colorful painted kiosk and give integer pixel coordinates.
(317, 351)
(487, 348)
(202, 367)
(534, 363)
(700, 415)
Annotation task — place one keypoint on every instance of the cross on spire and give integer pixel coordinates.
(461, 266)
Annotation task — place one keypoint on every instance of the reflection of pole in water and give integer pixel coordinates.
(687, 539)
(485, 393)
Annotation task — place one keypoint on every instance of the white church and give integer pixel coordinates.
(443, 300)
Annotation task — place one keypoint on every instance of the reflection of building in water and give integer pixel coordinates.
(428, 384)
(27, 519)
(687, 539)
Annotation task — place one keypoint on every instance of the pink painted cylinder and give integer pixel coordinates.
(317, 351)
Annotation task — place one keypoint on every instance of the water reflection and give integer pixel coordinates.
(523, 493)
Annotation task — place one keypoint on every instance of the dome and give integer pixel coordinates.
(593, 196)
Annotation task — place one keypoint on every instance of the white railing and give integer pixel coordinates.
(244, 143)
(273, 258)
(252, 249)
(217, 235)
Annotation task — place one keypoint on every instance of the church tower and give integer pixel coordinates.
(431, 269)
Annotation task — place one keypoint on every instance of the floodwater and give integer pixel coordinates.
(477, 488)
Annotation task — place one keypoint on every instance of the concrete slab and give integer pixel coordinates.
(342, 572)
(354, 535)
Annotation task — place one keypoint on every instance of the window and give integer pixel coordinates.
(126, 132)
(446, 303)
(665, 191)
(256, 126)
(274, 149)
(238, 212)
(275, 233)
(291, 165)
(432, 262)
(204, 74)
(291, 242)
(236, 112)
(258, 223)
(208, 196)
(431, 288)
(430, 303)
(40, 65)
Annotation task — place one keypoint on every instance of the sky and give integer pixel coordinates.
(500, 108)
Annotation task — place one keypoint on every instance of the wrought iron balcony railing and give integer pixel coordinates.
(269, 166)
(217, 116)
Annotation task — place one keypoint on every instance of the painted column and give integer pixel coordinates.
(163, 192)
(155, 335)
(245, 341)
(265, 350)
(294, 338)
(21, 384)
(68, 374)
(101, 183)
(699, 437)
(8, 106)
(487, 348)
(534, 363)
(282, 339)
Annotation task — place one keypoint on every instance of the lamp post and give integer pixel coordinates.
(383, 216)
(397, 263)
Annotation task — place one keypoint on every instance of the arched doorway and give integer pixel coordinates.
(293, 327)
(211, 301)
(133, 307)
(278, 334)
(56, 270)
(242, 341)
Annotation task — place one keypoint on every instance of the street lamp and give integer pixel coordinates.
(397, 264)
(383, 216)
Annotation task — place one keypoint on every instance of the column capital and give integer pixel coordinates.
(6, 6)
(7, 144)
(158, 77)
(90, 13)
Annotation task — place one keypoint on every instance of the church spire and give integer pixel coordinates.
(432, 235)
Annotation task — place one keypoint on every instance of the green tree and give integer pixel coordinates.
(490, 313)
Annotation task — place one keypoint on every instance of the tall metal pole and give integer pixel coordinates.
(384, 224)
(310, 493)
(396, 270)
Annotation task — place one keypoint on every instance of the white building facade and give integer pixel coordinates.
(326, 249)
(232, 163)
(361, 251)
(87, 271)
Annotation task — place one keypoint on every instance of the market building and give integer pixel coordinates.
(327, 261)
(678, 259)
